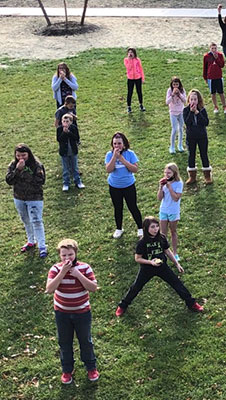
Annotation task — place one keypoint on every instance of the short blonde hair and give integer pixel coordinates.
(68, 244)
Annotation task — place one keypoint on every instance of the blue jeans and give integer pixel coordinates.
(31, 215)
(175, 121)
(70, 167)
(67, 324)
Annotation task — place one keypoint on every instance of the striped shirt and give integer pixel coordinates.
(71, 296)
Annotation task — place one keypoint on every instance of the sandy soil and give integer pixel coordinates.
(23, 37)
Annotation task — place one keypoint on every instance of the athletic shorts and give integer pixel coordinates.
(216, 85)
(168, 217)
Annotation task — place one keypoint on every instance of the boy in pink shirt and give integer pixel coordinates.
(135, 76)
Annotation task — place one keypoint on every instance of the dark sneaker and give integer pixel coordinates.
(93, 375)
(43, 253)
(142, 108)
(66, 378)
(119, 312)
(129, 109)
(196, 307)
(27, 247)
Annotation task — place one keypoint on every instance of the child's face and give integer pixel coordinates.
(130, 54)
(153, 229)
(67, 254)
(118, 144)
(70, 106)
(175, 84)
(22, 156)
(66, 122)
(213, 49)
(193, 99)
(168, 173)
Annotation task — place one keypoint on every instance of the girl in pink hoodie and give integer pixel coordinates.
(135, 75)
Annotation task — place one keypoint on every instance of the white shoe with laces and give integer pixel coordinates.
(65, 188)
(118, 233)
(81, 185)
(140, 232)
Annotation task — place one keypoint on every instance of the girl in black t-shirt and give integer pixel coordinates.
(151, 252)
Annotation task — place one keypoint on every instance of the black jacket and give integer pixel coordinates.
(63, 137)
(195, 124)
(223, 27)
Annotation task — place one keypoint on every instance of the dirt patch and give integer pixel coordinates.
(20, 37)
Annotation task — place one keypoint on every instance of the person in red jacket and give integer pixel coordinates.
(213, 62)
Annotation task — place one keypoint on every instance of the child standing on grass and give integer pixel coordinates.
(213, 62)
(68, 138)
(196, 121)
(135, 75)
(67, 108)
(175, 99)
(169, 193)
(64, 84)
(151, 253)
(27, 175)
(71, 281)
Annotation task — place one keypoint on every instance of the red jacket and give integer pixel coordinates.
(212, 67)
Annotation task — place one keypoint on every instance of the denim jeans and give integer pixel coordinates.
(177, 120)
(70, 167)
(165, 273)
(31, 215)
(67, 324)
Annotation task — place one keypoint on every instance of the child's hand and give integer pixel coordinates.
(116, 153)
(67, 266)
(20, 165)
(155, 262)
(192, 107)
(74, 272)
(180, 269)
(62, 75)
(65, 129)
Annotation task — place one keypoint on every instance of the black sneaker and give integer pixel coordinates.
(142, 108)
(129, 109)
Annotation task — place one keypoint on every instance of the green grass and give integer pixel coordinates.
(158, 350)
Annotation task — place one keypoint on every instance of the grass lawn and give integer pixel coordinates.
(159, 350)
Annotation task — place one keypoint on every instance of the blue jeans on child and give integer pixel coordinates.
(70, 167)
(31, 215)
(175, 121)
(67, 324)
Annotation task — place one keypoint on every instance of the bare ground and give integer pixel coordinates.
(27, 37)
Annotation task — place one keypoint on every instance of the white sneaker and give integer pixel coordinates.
(81, 185)
(140, 232)
(216, 110)
(118, 233)
(65, 188)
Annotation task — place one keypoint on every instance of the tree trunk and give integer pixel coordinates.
(84, 12)
(66, 18)
(44, 12)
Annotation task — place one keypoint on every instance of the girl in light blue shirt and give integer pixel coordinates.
(169, 193)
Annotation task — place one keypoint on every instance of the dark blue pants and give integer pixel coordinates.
(67, 324)
(164, 272)
(202, 143)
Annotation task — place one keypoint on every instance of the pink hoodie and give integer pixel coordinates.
(134, 68)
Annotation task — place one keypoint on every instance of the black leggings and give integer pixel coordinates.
(203, 149)
(165, 273)
(130, 196)
(130, 84)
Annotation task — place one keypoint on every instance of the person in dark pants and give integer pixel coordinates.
(151, 252)
(121, 164)
(196, 121)
(222, 24)
(135, 75)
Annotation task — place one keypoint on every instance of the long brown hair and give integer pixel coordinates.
(23, 148)
(63, 66)
(200, 98)
(176, 80)
(119, 135)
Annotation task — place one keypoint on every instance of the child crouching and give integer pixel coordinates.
(68, 138)
(71, 281)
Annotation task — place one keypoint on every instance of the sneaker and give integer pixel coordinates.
(140, 232)
(172, 150)
(81, 185)
(120, 311)
(93, 375)
(180, 149)
(118, 233)
(129, 109)
(216, 110)
(43, 253)
(27, 247)
(224, 109)
(65, 188)
(196, 307)
(177, 257)
(142, 108)
(66, 378)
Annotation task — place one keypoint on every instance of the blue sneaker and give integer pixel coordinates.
(177, 257)
(43, 252)
(180, 149)
(172, 150)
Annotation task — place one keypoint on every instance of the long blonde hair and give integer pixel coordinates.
(174, 168)
(200, 98)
